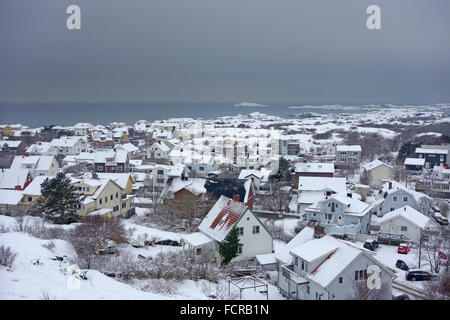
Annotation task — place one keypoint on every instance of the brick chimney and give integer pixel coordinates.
(390, 185)
(236, 197)
(404, 208)
(319, 232)
(446, 166)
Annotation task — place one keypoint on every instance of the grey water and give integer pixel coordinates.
(45, 114)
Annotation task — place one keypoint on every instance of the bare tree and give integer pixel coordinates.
(439, 289)
(437, 242)
(425, 205)
(443, 206)
(94, 234)
(7, 256)
(362, 291)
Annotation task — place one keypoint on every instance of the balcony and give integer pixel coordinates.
(288, 272)
(345, 229)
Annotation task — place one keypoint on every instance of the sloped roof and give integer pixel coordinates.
(414, 161)
(407, 213)
(375, 164)
(315, 167)
(10, 178)
(221, 218)
(10, 197)
(322, 184)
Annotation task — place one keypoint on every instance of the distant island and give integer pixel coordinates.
(249, 104)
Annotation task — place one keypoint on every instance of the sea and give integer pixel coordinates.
(45, 114)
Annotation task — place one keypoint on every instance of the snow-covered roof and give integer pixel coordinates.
(119, 178)
(245, 173)
(267, 258)
(10, 143)
(128, 147)
(407, 213)
(194, 185)
(221, 218)
(10, 197)
(10, 178)
(315, 167)
(375, 164)
(414, 162)
(336, 255)
(40, 163)
(431, 151)
(353, 148)
(34, 188)
(65, 141)
(397, 186)
(322, 184)
(197, 239)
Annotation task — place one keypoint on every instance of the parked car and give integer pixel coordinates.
(401, 297)
(370, 244)
(403, 248)
(402, 265)
(440, 219)
(419, 275)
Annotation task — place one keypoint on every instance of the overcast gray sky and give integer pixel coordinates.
(299, 51)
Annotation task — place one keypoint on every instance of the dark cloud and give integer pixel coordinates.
(302, 51)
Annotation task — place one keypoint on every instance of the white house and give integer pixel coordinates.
(321, 267)
(314, 189)
(67, 145)
(38, 165)
(228, 214)
(405, 221)
(348, 155)
(158, 150)
(82, 128)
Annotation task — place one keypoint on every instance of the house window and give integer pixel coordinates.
(296, 261)
(240, 248)
(117, 195)
(395, 199)
(303, 265)
(124, 205)
(392, 209)
(404, 228)
(198, 251)
(307, 289)
(240, 231)
(30, 199)
(405, 199)
(255, 229)
(111, 197)
(106, 199)
(100, 201)
(341, 280)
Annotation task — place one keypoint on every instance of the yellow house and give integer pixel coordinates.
(124, 180)
(9, 129)
(9, 199)
(105, 197)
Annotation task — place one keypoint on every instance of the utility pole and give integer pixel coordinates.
(420, 246)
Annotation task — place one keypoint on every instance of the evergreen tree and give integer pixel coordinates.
(407, 149)
(59, 200)
(228, 249)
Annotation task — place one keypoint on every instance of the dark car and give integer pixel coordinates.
(370, 244)
(419, 275)
(441, 220)
(402, 265)
(401, 297)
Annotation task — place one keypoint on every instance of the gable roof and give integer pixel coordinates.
(222, 217)
(375, 164)
(10, 178)
(408, 213)
(337, 254)
(10, 197)
(322, 184)
(315, 167)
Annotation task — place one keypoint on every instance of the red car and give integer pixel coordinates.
(403, 248)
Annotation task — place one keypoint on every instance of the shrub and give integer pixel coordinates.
(7, 256)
